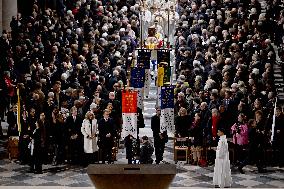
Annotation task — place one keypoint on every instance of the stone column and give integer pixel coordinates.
(9, 9)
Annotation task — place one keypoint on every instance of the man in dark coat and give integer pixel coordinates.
(160, 138)
(74, 136)
(106, 136)
(12, 121)
(37, 146)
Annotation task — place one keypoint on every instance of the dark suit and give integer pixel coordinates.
(106, 143)
(12, 121)
(159, 143)
(37, 156)
(75, 146)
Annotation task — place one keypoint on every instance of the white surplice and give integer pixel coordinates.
(222, 171)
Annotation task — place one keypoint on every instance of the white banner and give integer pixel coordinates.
(273, 122)
(167, 120)
(129, 125)
(140, 98)
(147, 82)
(158, 96)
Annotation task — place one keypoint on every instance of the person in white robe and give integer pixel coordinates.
(146, 20)
(173, 17)
(222, 171)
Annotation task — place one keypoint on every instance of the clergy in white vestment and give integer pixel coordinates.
(146, 21)
(159, 28)
(222, 171)
(174, 17)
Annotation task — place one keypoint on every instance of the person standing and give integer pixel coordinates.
(89, 130)
(222, 171)
(240, 136)
(12, 121)
(259, 141)
(196, 132)
(73, 124)
(160, 137)
(37, 146)
(278, 138)
(106, 136)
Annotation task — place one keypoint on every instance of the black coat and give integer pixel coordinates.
(182, 124)
(74, 127)
(13, 126)
(196, 131)
(155, 126)
(104, 128)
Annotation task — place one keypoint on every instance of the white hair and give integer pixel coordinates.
(196, 63)
(64, 76)
(198, 78)
(255, 71)
(214, 91)
(93, 105)
(234, 85)
(115, 73)
(50, 94)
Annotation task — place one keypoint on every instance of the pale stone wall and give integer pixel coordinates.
(8, 9)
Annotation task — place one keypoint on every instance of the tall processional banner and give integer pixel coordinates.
(144, 58)
(129, 113)
(167, 109)
(137, 82)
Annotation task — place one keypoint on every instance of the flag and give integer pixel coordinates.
(140, 98)
(137, 77)
(137, 82)
(129, 113)
(163, 56)
(143, 58)
(273, 122)
(160, 76)
(167, 75)
(147, 82)
(19, 110)
(167, 108)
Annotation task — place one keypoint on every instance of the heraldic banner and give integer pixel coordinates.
(129, 113)
(167, 108)
(144, 58)
(137, 82)
(163, 56)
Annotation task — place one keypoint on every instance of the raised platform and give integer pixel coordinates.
(138, 176)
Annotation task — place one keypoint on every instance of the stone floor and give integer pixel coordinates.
(13, 174)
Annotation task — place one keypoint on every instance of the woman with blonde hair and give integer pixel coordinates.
(89, 130)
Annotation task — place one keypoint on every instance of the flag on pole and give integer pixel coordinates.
(163, 56)
(137, 77)
(160, 76)
(129, 113)
(143, 58)
(167, 74)
(167, 108)
(19, 110)
(273, 122)
(137, 82)
(140, 98)
(147, 82)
